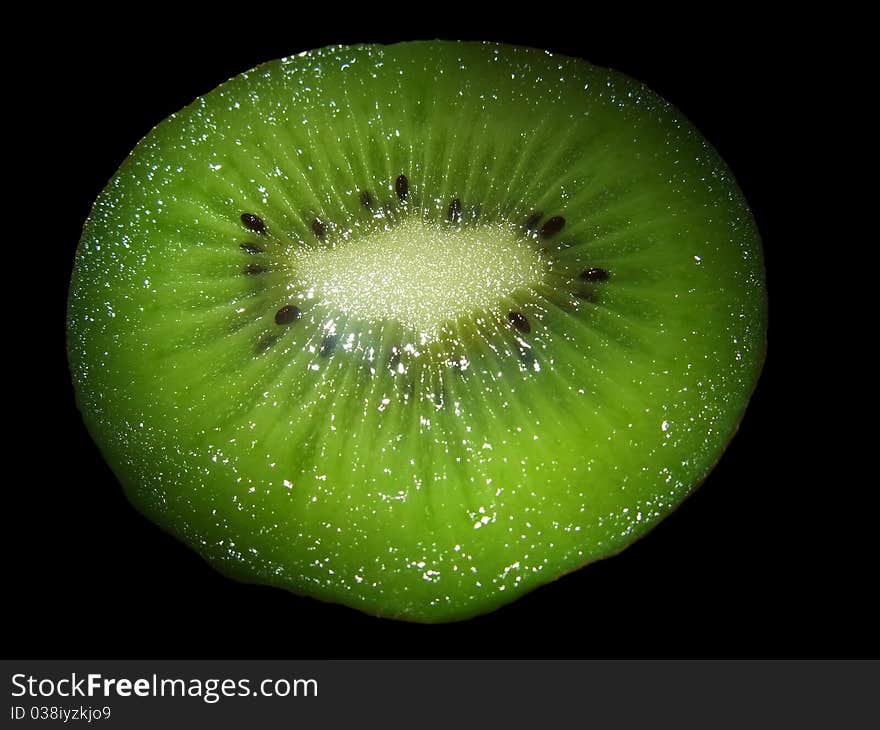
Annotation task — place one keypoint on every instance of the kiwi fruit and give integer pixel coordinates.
(416, 328)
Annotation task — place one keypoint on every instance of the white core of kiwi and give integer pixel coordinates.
(421, 274)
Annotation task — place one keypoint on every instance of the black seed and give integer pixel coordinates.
(533, 220)
(595, 274)
(252, 248)
(367, 200)
(518, 320)
(327, 345)
(453, 213)
(552, 226)
(254, 269)
(318, 228)
(254, 223)
(401, 185)
(287, 314)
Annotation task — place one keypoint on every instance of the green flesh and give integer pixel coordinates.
(430, 462)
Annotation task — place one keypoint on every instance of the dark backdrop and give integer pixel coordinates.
(752, 565)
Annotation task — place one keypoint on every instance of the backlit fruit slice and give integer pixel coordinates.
(416, 328)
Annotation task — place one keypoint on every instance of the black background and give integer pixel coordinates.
(761, 561)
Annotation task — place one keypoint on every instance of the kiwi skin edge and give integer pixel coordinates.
(136, 469)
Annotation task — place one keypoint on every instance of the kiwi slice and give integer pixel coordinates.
(416, 328)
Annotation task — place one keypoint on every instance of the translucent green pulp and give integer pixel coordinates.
(460, 410)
